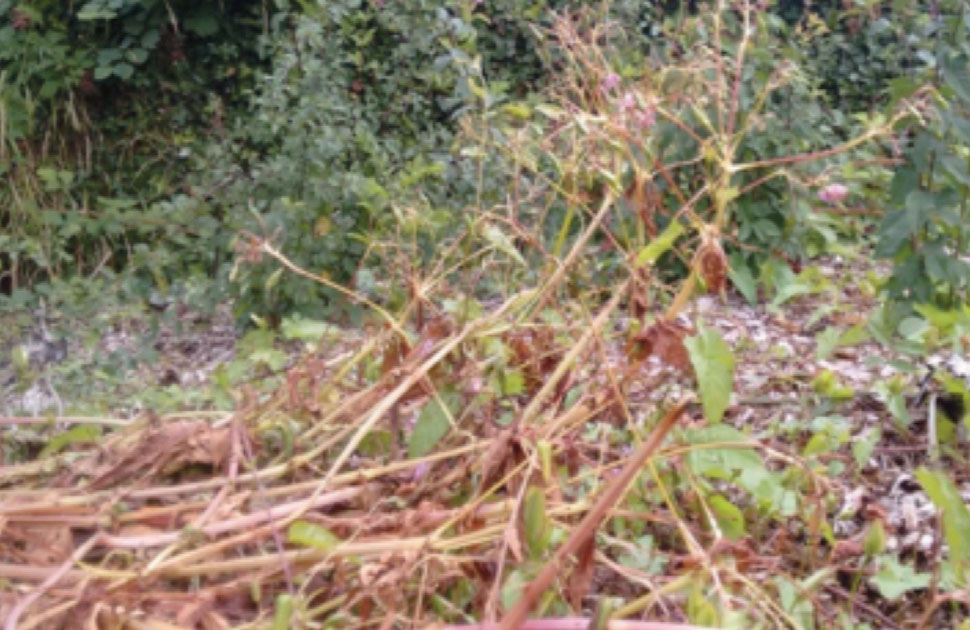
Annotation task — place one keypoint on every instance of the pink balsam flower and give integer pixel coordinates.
(646, 118)
(833, 193)
(628, 102)
(610, 82)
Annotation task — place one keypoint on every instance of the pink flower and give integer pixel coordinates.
(610, 82)
(646, 118)
(833, 193)
(420, 471)
(627, 102)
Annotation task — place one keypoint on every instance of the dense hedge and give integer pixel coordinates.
(143, 134)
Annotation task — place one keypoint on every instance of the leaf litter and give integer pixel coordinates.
(204, 523)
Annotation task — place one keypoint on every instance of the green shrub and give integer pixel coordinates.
(926, 231)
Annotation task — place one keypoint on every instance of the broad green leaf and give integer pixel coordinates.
(729, 517)
(739, 464)
(432, 424)
(714, 366)
(538, 529)
(658, 246)
(956, 516)
(311, 535)
(895, 578)
(79, 434)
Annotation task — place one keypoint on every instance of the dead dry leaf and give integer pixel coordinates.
(664, 340)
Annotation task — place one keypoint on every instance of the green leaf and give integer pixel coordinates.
(124, 70)
(956, 75)
(536, 523)
(658, 246)
(136, 55)
(311, 535)
(502, 242)
(700, 609)
(862, 447)
(307, 329)
(729, 517)
(739, 464)
(513, 588)
(742, 278)
(432, 424)
(95, 11)
(79, 434)
(513, 382)
(895, 578)
(283, 612)
(714, 366)
(827, 341)
(203, 24)
(956, 516)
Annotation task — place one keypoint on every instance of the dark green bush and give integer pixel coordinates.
(926, 231)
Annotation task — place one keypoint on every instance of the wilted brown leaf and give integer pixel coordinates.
(534, 351)
(662, 339)
(37, 544)
(712, 265)
(163, 449)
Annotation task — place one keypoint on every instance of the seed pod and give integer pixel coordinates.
(711, 264)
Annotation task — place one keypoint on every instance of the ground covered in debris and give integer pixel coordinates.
(398, 478)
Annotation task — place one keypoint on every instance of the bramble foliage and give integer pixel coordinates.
(925, 230)
(100, 103)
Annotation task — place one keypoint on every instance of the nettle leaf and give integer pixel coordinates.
(714, 366)
(895, 578)
(311, 535)
(432, 424)
(956, 516)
